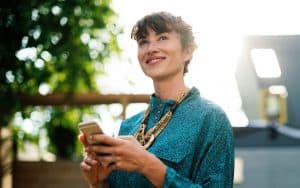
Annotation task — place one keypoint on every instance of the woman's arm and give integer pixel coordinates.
(154, 170)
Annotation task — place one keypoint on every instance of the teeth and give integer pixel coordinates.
(154, 60)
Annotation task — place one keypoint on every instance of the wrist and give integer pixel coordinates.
(154, 170)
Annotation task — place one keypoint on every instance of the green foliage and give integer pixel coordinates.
(53, 46)
(61, 131)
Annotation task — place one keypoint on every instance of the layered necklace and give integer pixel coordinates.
(147, 139)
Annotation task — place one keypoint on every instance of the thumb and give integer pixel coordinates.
(83, 140)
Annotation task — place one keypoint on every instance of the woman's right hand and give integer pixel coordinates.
(92, 170)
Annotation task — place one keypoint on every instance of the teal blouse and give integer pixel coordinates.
(196, 146)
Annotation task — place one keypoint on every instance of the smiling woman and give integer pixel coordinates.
(142, 155)
(159, 56)
(219, 32)
(214, 51)
(159, 46)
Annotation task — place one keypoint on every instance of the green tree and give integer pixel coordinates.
(53, 46)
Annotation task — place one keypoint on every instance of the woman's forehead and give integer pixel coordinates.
(143, 30)
(149, 31)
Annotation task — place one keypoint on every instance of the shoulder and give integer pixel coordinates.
(212, 109)
(216, 123)
(213, 125)
(203, 108)
(215, 116)
(211, 116)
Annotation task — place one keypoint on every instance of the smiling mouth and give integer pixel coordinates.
(154, 60)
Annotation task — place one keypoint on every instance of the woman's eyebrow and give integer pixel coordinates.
(163, 32)
(143, 36)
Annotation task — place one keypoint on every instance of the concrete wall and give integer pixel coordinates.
(277, 167)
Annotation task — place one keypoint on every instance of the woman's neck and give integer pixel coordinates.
(170, 89)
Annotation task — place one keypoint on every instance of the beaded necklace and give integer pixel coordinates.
(147, 139)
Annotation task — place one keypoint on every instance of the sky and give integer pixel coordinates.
(219, 27)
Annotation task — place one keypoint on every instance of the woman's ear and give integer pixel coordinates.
(189, 51)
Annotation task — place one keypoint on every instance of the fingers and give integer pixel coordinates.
(104, 139)
(107, 160)
(106, 155)
(100, 149)
(82, 139)
(129, 138)
(97, 138)
(87, 163)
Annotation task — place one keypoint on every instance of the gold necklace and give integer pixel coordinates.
(147, 139)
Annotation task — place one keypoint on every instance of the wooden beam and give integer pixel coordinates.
(80, 99)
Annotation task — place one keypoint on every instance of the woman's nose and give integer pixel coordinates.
(152, 47)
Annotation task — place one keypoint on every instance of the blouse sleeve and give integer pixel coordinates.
(172, 179)
(215, 168)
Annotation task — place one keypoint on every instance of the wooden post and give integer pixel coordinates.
(124, 103)
(5, 158)
(1, 171)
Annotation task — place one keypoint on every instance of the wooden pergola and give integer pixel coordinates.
(78, 99)
(57, 99)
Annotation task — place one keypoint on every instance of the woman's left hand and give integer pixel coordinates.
(122, 153)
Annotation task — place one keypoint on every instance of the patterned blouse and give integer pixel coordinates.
(196, 145)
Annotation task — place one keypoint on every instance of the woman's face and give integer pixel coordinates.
(161, 55)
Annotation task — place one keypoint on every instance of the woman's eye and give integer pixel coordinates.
(163, 37)
(142, 41)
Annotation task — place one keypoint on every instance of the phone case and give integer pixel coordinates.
(90, 128)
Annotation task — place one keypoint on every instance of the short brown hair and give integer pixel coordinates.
(161, 22)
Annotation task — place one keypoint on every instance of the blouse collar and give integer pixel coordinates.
(156, 102)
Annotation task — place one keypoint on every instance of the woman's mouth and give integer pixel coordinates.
(154, 60)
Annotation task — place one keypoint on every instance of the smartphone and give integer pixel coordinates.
(89, 128)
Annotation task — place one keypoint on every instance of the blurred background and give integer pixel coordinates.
(63, 62)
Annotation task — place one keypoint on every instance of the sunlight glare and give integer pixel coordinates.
(219, 27)
(266, 63)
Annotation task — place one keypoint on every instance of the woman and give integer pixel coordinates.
(182, 139)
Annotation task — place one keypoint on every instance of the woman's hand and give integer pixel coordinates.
(92, 170)
(126, 153)
(122, 153)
